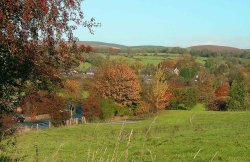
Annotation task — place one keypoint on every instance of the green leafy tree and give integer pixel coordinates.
(188, 73)
(237, 94)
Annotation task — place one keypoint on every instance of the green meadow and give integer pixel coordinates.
(195, 135)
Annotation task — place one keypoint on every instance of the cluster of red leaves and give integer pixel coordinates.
(85, 49)
(91, 107)
(37, 103)
(6, 124)
(222, 91)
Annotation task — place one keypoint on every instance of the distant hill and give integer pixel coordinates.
(106, 46)
(214, 48)
(102, 45)
(148, 46)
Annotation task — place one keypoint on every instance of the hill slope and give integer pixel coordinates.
(215, 48)
(102, 44)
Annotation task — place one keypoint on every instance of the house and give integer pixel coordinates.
(70, 72)
(91, 71)
(147, 78)
(177, 71)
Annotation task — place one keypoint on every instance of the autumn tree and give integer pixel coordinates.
(157, 93)
(118, 82)
(71, 89)
(32, 46)
(91, 107)
(205, 87)
(41, 102)
(222, 91)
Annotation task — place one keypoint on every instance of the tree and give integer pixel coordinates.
(188, 73)
(222, 91)
(183, 98)
(157, 93)
(91, 108)
(205, 87)
(32, 48)
(37, 103)
(118, 82)
(237, 94)
(71, 89)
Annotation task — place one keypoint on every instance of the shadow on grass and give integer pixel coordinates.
(4, 158)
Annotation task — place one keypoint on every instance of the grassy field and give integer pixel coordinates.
(194, 135)
(143, 58)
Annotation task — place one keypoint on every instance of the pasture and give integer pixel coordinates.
(195, 135)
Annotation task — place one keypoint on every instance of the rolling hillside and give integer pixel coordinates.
(102, 45)
(214, 48)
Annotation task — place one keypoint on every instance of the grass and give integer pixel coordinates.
(83, 66)
(144, 58)
(201, 60)
(195, 135)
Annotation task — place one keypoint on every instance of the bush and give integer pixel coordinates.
(91, 108)
(234, 105)
(183, 99)
(57, 109)
(36, 103)
(183, 107)
(142, 109)
(108, 109)
(124, 111)
(219, 104)
(176, 105)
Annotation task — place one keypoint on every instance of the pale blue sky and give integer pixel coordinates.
(169, 22)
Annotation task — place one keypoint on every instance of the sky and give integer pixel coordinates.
(181, 23)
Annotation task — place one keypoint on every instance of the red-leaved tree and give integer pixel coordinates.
(32, 45)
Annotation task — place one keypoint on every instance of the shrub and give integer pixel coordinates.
(142, 109)
(91, 108)
(183, 99)
(124, 111)
(182, 107)
(7, 125)
(234, 105)
(108, 109)
(57, 110)
(37, 103)
(219, 104)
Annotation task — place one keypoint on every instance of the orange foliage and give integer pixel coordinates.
(72, 85)
(222, 91)
(119, 82)
(143, 109)
(168, 64)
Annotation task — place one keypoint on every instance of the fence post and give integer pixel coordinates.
(37, 126)
(49, 124)
(36, 153)
(84, 120)
(76, 121)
